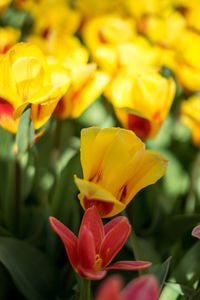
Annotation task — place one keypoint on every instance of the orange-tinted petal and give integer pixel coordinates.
(68, 238)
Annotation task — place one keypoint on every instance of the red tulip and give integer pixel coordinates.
(143, 288)
(96, 245)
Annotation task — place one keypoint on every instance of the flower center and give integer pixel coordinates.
(98, 263)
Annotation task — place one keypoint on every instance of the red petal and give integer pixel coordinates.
(112, 223)
(196, 232)
(91, 274)
(145, 287)
(68, 238)
(110, 289)
(114, 241)
(6, 116)
(86, 248)
(130, 265)
(92, 221)
(140, 126)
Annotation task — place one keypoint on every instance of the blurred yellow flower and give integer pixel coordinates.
(102, 34)
(115, 166)
(190, 116)
(188, 63)
(4, 4)
(142, 8)
(25, 78)
(164, 31)
(55, 17)
(87, 84)
(66, 50)
(8, 37)
(142, 102)
(92, 8)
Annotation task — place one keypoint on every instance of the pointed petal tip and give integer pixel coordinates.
(130, 265)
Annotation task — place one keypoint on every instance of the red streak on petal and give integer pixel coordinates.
(104, 208)
(5, 49)
(60, 108)
(46, 32)
(6, 108)
(139, 125)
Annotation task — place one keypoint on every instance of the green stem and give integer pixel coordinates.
(137, 250)
(17, 193)
(194, 174)
(86, 289)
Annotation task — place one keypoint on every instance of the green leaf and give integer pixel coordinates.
(188, 270)
(6, 149)
(25, 133)
(161, 271)
(180, 289)
(29, 268)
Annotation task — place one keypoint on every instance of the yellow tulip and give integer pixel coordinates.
(66, 50)
(116, 166)
(8, 37)
(103, 33)
(4, 4)
(87, 84)
(55, 16)
(190, 116)
(142, 102)
(164, 31)
(188, 63)
(92, 8)
(25, 78)
(142, 8)
(193, 17)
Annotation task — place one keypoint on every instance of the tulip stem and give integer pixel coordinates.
(137, 250)
(86, 289)
(17, 193)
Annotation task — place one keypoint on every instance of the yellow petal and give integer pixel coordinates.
(152, 167)
(95, 192)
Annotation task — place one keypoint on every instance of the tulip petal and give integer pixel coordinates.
(196, 232)
(6, 116)
(114, 241)
(145, 287)
(91, 274)
(130, 265)
(154, 165)
(68, 238)
(88, 136)
(92, 221)
(93, 194)
(86, 248)
(40, 114)
(108, 226)
(110, 289)
(89, 93)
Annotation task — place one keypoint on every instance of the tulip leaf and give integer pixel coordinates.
(161, 272)
(32, 273)
(180, 289)
(188, 270)
(25, 133)
(6, 148)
